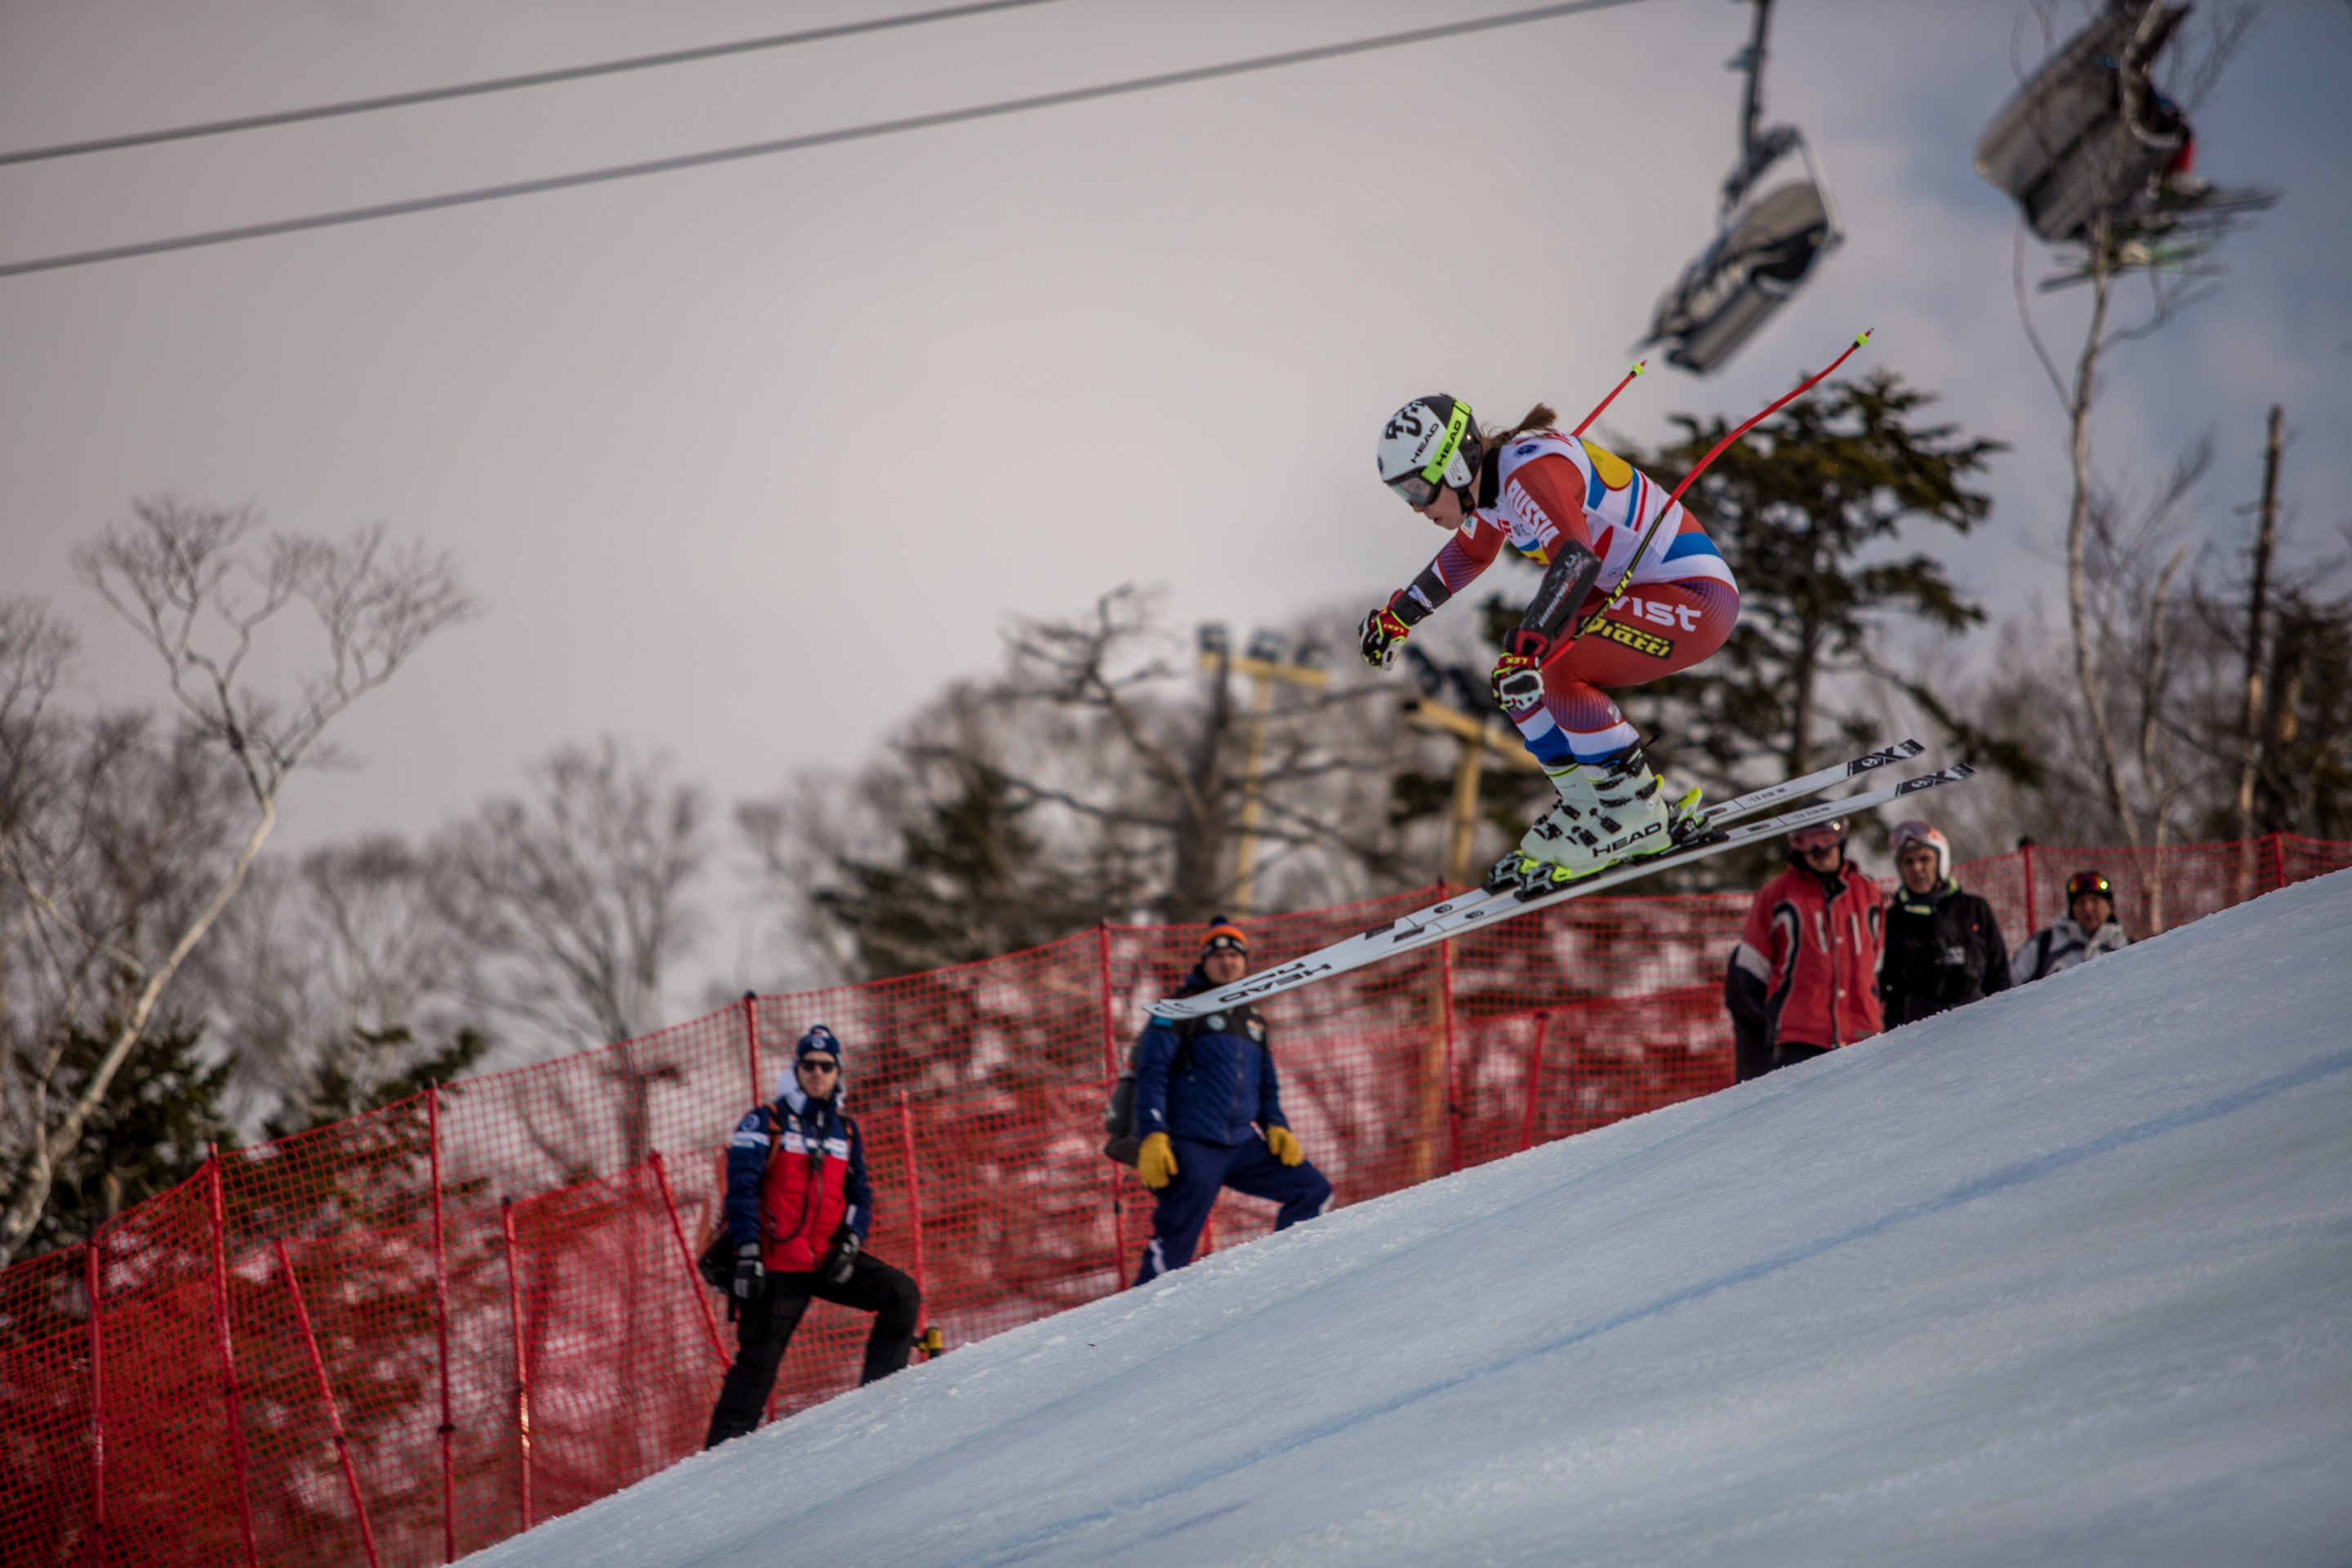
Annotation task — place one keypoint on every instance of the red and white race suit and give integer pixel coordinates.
(1678, 608)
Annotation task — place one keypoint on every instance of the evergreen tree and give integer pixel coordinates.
(160, 1115)
(1800, 510)
(354, 1081)
(970, 882)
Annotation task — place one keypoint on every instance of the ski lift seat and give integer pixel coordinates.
(1755, 264)
(2064, 146)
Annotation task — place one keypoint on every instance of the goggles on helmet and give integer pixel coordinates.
(1822, 836)
(1423, 488)
(2083, 882)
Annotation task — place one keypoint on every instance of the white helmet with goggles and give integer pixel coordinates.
(1430, 445)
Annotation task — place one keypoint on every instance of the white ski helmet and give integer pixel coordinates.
(1429, 445)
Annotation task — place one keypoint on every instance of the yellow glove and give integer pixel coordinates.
(1156, 1162)
(1284, 1145)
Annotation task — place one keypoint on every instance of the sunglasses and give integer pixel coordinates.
(806, 1063)
(1808, 839)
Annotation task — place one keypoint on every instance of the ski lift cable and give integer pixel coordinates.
(812, 139)
(507, 83)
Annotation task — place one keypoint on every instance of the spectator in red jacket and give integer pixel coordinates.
(1805, 978)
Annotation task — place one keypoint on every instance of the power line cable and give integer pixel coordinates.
(814, 139)
(506, 83)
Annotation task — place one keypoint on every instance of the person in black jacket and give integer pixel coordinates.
(1944, 948)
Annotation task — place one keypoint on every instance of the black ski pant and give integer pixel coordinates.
(766, 1327)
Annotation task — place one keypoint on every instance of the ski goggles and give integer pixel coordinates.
(1915, 831)
(2083, 882)
(1822, 835)
(1417, 489)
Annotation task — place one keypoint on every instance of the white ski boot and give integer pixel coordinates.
(1609, 812)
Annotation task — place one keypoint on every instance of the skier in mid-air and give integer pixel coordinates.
(1583, 512)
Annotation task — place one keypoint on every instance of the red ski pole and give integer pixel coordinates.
(1639, 366)
(1647, 534)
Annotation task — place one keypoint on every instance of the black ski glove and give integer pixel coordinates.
(750, 1276)
(842, 1261)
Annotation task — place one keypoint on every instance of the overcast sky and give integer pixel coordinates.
(747, 460)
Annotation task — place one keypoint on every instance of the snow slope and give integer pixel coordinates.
(2065, 1277)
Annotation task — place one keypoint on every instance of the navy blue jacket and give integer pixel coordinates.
(824, 1154)
(1227, 1083)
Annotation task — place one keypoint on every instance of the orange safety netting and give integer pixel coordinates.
(413, 1333)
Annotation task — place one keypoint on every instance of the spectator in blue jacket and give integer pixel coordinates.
(1204, 1088)
(798, 1209)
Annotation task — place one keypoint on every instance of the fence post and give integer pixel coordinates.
(327, 1398)
(752, 1040)
(441, 1326)
(2032, 905)
(2275, 861)
(522, 1363)
(1535, 1082)
(914, 1192)
(1110, 1077)
(228, 1351)
(92, 1275)
(1445, 1036)
(685, 1251)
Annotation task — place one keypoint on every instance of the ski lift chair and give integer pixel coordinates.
(2087, 130)
(1764, 245)
(1766, 250)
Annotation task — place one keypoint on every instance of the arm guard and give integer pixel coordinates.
(1416, 602)
(1549, 614)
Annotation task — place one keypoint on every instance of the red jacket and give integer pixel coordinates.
(792, 1205)
(1816, 958)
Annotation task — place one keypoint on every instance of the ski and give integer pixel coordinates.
(1737, 809)
(1378, 942)
(1440, 921)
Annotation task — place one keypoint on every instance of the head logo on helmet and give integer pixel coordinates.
(1428, 446)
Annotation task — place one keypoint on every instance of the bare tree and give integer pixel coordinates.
(199, 584)
(577, 898)
(2235, 697)
(1177, 761)
(336, 970)
(1095, 778)
(2108, 118)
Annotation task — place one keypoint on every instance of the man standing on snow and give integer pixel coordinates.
(1805, 978)
(2086, 929)
(798, 1207)
(1943, 946)
(1204, 1088)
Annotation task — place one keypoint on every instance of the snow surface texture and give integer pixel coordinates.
(2064, 1277)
